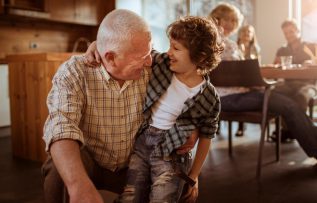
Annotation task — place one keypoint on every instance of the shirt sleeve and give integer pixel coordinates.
(159, 58)
(65, 104)
(209, 123)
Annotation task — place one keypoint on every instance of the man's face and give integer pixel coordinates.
(291, 33)
(130, 65)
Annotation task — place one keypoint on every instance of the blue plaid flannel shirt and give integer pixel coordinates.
(201, 111)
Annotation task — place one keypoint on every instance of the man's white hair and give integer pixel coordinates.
(117, 29)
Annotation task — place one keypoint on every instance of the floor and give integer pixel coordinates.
(293, 179)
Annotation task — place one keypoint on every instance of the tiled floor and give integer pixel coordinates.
(223, 179)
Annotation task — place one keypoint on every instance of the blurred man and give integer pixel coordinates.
(298, 90)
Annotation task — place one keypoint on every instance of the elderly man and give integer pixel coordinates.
(298, 90)
(94, 113)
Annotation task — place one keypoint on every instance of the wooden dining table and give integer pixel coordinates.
(301, 72)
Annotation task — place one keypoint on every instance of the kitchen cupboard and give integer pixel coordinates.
(1, 6)
(75, 11)
(27, 8)
(84, 12)
(30, 78)
(36, 5)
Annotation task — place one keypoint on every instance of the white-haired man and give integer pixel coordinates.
(94, 113)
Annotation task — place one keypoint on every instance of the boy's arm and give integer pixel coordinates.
(92, 55)
(201, 154)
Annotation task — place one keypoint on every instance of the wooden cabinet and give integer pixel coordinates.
(62, 11)
(1, 6)
(30, 78)
(27, 8)
(35, 5)
(84, 12)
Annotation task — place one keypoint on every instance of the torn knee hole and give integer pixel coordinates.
(164, 178)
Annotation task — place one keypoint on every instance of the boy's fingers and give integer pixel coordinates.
(183, 150)
(97, 57)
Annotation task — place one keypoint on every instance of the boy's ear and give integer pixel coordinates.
(110, 56)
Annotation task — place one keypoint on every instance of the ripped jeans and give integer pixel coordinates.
(152, 179)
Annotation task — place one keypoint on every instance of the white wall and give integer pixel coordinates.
(4, 96)
(269, 15)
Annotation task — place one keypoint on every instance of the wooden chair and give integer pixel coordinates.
(312, 102)
(246, 74)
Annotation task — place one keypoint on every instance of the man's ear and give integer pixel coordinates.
(110, 56)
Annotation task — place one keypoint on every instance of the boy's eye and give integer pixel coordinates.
(175, 48)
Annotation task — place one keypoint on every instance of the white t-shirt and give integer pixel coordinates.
(170, 105)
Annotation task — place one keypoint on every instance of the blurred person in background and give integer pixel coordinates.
(301, 91)
(229, 19)
(242, 99)
(247, 42)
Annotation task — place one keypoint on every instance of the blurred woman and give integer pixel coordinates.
(247, 42)
(229, 19)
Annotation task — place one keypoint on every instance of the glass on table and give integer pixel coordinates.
(286, 61)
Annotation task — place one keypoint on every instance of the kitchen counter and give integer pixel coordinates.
(30, 78)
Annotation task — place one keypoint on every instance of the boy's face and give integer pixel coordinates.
(180, 61)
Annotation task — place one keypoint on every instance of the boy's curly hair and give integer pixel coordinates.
(201, 37)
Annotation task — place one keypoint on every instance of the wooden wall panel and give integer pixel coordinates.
(30, 37)
(66, 22)
(30, 79)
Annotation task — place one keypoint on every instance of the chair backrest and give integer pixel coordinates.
(244, 73)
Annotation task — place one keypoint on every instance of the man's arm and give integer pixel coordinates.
(63, 135)
(277, 60)
(66, 157)
(280, 52)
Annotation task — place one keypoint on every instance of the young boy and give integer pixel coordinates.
(179, 100)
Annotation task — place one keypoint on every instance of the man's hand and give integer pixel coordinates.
(92, 55)
(191, 193)
(189, 144)
(85, 194)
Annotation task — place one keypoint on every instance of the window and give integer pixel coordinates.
(160, 13)
(309, 20)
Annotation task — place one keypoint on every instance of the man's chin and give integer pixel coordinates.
(135, 77)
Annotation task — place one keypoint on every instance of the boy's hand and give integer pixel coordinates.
(92, 56)
(191, 193)
(189, 144)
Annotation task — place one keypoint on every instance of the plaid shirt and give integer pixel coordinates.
(87, 105)
(201, 111)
